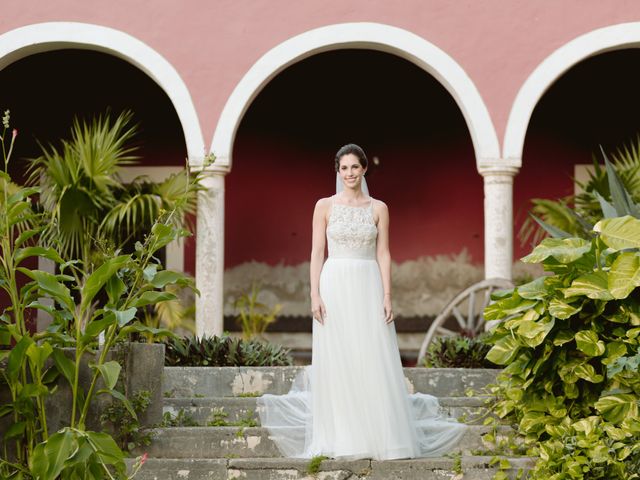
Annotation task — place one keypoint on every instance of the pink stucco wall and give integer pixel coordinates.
(213, 43)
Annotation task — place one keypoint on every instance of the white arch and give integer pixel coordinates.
(371, 36)
(615, 37)
(43, 37)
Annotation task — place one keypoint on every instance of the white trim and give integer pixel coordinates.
(43, 37)
(371, 36)
(615, 37)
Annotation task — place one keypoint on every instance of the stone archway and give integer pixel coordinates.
(372, 36)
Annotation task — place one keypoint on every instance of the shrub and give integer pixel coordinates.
(570, 345)
(126, 428)
(458, 352)
(224, 351)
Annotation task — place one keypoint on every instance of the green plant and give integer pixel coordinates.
(181, 419)
(570, 343)
(313, 466)
(249, 394)
(127, 283)
(89, 203)
(219, 419)
(458, 352)
(220, 351)
(125, 427)
(576, 214)
(254, 317)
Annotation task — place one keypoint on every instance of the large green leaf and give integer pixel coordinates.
(619, 233)
(564, 250)
(49, 253)
(534, 290)
(18, 356)
(621, 199)
(534, 333)
(615, 408)
(53, 454)
(151, 298)
(593, 285)
(624, 275)
(115, 287)
(110, 372)
(99, 278)
(64, 364)
(589, 343)
(165, 277)
(38, 354)
(505, 350)
(52, 286)
(562, 310)
(125, 316)
(93, 329)
(588, 373)
(107, 448)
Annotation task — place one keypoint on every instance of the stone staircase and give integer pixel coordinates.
(223, 439)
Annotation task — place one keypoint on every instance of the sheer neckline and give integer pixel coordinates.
(353, 206)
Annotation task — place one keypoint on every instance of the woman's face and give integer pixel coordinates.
(351, 171)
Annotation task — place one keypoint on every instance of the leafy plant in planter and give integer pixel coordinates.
(224, 351)
(570, 344)
(458, 352)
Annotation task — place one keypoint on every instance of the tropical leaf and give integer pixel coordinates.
(565, 250)
(619, 233)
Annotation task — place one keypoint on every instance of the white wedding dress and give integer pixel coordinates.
(352, 402)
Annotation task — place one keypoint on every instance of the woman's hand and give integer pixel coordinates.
(388, 311)
(318, 309)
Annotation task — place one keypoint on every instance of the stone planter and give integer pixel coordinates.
(142, 367)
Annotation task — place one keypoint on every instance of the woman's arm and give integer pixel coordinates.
(384, 257)
(317, 257)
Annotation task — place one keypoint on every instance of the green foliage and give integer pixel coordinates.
(609, 192)
(86, 299)
(89, 203)
(570, 344)
(254, 317)
(314, 464)
(219, 419)
(181, 419)
(224, 351)
(124, 425)
(458, 352)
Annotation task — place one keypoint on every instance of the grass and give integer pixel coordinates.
(314, 464)
(220, 419)
(249, 394)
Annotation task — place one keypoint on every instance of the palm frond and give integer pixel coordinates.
(79, 180)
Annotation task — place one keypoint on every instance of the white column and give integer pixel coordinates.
(498, 219)
(210, 253)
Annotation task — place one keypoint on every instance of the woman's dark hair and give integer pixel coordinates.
(355, 150)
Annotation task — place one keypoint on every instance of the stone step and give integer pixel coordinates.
(466, 467)
(201, 411)
(238, 381)
(246, 442)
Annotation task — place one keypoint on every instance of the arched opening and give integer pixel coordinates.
(422, 164)
(360, 36)
(47, 90)
(594, 103)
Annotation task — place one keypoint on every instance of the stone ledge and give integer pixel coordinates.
(471, 468)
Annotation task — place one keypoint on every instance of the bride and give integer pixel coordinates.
(352, 402)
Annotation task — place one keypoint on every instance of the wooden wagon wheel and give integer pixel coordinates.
(469, 319)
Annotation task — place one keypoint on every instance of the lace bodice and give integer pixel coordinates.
(351, 231)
